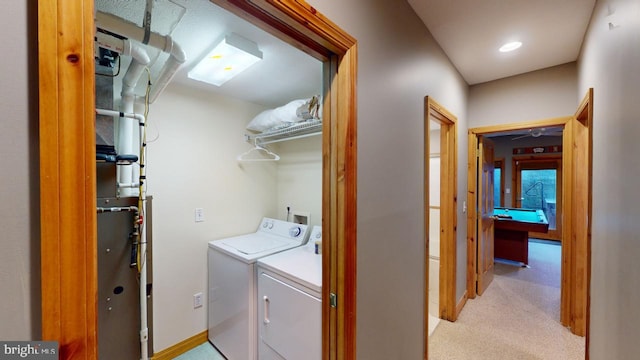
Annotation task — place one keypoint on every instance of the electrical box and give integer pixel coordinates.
(300, 217)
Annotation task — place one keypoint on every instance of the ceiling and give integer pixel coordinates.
(469, 31)
(285, 73)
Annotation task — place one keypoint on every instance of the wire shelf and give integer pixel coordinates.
(295, 131)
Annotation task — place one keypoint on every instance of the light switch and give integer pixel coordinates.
(199, 217)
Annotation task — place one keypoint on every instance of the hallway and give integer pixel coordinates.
(516, 318)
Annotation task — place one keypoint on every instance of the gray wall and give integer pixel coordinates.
(19, 219)
(537, 95)
(610, 63)
(398, 64)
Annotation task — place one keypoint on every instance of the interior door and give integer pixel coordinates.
(485, 212)
(576, 234)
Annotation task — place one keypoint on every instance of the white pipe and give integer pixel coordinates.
(165, 43)
(140, 61)
(117, 209)
(169, 70)
(125, 178)
(107, 112)
(144, 323)
(127, 140)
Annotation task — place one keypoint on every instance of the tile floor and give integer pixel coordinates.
(206, 351)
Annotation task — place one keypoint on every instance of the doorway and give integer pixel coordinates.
(576, 202)
(67, 163)
(440, 164)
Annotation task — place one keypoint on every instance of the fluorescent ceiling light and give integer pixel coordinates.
(231, 56)
(510, 46)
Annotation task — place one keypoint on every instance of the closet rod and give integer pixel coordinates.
(261, 142)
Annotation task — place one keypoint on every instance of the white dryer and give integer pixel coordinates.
(290, 303)
(232, 309)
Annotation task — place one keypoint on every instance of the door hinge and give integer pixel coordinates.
(333, 300)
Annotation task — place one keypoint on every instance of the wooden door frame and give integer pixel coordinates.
(576, 262)
(472, 185)
(68, 180)
(448, 209)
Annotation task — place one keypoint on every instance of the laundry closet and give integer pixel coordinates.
(199, 159)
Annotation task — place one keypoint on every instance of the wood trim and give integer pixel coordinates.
(449, 223)
(67, 177)
(577, 202)
(68, 194)
(426, 158)
(581, 216)
(295, 22)
(346, 201)
(566, 284)
(50, 213)
(559, 121)
(329, 211)
(472, 188)
(461, 303)
(182, 347)
(587, 120)
(448, 211)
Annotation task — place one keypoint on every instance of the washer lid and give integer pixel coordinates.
(251, 245)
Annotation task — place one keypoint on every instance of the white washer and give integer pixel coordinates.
(232, 284)
(290, 303)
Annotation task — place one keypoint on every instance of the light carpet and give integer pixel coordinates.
(516, 318)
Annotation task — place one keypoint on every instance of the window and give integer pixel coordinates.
(538, 183)
(539, 192)
(498, 183)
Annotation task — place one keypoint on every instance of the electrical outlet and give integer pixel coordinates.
(197, 300)
(199, 217)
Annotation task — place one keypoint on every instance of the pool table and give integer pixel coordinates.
(511, 235)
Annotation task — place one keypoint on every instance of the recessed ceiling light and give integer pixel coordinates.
(510, 46)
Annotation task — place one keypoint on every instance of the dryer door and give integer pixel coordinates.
(290, 321)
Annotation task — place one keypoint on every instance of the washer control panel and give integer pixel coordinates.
(298, 232)
(295, 231)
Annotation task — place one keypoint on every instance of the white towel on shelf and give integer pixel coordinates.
(286, 115)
